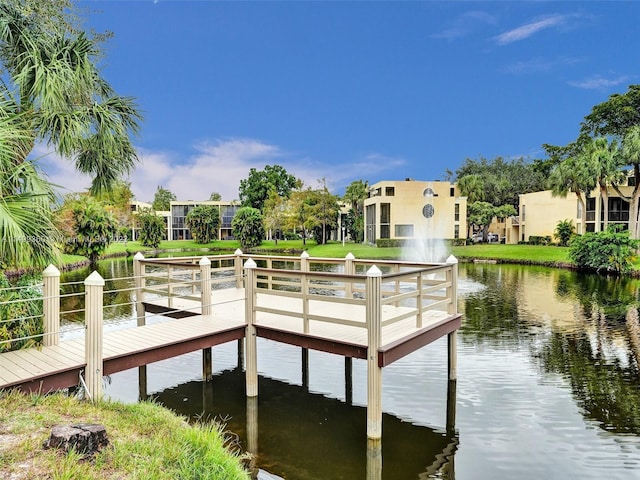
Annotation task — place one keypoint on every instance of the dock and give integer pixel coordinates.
(378, 311)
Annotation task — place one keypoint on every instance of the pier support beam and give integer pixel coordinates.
(51, 306)
(348, 380)
(251, 349)
(237, 264)
(93, 286)
(305, 369)
(374, 372)
(349, 270)
(207, 364)
(452, 309)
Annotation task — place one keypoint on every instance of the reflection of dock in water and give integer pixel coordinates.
(301, 435)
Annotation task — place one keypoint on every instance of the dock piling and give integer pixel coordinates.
(94, 285)
(374, 371)
(251, 349)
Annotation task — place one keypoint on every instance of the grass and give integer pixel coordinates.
(147, 441)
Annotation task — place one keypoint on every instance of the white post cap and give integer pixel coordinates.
(374, 271)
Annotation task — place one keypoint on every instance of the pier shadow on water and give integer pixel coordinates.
(300, 435)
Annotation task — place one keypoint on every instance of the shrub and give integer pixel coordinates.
(152, 228)
(248, 227)
(564, 231)
(203, 221)
(611, 251)
(20, 319)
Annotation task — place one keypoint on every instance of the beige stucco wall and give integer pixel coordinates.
(407, 204)
(540, 213)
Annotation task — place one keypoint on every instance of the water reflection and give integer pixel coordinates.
(296, 434)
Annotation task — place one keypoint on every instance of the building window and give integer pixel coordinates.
(456, 214)
(428, 192)
(370, 232)
(404, 230)
(385, 220)
(390, 191)
(522, 216)
(428, 210)
(456, 231)
(452, 192)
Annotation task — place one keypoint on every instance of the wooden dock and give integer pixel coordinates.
(357, 312)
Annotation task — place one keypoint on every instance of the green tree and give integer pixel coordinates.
(355, 195)
(472, 187)
(324, 210)
(274, 214)
(94, 229)
(203, 222)
(254, 189)
(162, 199)
(564, 231)
(152, 228)
(215, 197)
(248, 227)
(117, 201)
(51, 76)
(300, 212)
(576, 175)
(611, 251)
(480, 215)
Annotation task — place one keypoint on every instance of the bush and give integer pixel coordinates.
(539, 240)
(248, 227)
(20, 319)
(93, 227)
(611, 251)
(203, 222)
(152, 228)
(564, 231)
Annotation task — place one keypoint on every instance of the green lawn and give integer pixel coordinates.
(533, 253)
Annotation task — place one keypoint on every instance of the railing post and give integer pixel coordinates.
(139, 271)
(205, 285)
(419, 301)
(93, 286)
(349, 270)
(374, 333)
(237, 263)
(251, 350)
(169, 287)
(304, 287)
(452, 309)
(51, 306)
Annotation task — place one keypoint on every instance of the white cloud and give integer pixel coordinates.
(539, 64)
(219, 166)
(597, 81)
(464, 25)
(529, 29)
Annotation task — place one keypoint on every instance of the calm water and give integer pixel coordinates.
(548, 387)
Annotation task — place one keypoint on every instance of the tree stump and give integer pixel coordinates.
(84, 438)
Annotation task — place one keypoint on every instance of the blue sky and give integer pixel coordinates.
(353, 90)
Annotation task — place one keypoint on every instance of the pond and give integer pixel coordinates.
(548, 387)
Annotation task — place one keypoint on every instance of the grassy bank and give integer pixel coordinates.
(146, 441)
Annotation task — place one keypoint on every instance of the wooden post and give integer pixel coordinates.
(419, 301)
(205, 285)
(252, 435)
(93, 286)
(374, 371)
(305, 369)
(348, 380)
(304, 287)
(374, 459)
(169, 287)
(140, 282)
(349, 270)
(451, 406)
(452, 293)
(143, 390)
(51, 306)
(237, 263)
(251, 350)
(207, 364)
(241, 353)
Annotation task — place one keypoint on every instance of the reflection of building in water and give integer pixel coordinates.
(297, 434)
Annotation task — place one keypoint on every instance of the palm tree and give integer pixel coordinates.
(631, 156)
(26, 220)
(574, 174)
(55, 83)
(52, 93)
(605, 161)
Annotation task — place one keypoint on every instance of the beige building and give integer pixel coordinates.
(540, 212)
(414, 209)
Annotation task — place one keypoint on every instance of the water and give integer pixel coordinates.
(548, 387)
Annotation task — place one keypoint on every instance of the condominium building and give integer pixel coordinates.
(414, 209)
(180, 209)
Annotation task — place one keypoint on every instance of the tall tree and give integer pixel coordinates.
(162, 199)
(215, 197)
(574, 175)
(52, 77)
(274, 213)
(355, 195)
(254, 189)
(325, 211)
(472, 187)
(248, 227)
